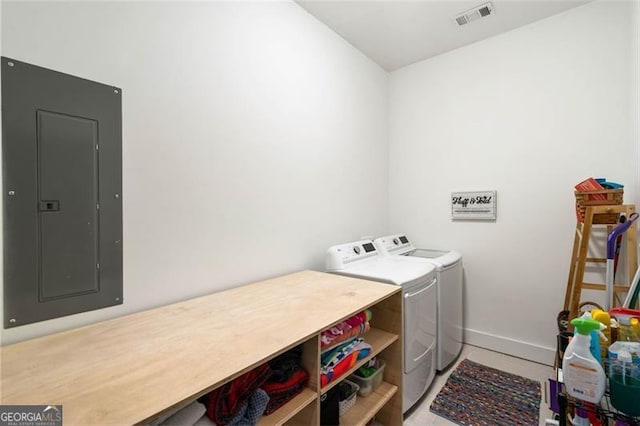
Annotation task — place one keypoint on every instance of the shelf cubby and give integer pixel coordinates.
(366, 407)
(290, 409)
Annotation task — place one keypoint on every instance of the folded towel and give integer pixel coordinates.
(339, 369)
(189, 415)
(332, 357)
(351, 327)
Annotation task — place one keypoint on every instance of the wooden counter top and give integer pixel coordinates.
(125, 370)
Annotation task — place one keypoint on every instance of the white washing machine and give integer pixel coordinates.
(449, 291)
(360, 259)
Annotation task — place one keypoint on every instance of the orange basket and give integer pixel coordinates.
(601, 197)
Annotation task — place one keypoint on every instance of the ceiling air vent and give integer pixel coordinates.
(474, 14)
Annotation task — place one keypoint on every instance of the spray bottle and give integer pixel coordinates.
(584, 377)
(588, 416)
(604, 318)
(581, 418)
(597, 336)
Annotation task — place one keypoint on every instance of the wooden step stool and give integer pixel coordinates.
(607, 215)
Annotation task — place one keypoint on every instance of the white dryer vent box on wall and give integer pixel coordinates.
(474, 14)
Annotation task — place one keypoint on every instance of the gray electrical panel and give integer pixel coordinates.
(62, 181)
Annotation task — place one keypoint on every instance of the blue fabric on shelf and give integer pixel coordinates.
(250, 411)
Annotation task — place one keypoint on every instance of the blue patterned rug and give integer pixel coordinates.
(479, 395)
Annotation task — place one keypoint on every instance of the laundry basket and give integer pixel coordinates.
(348, 391)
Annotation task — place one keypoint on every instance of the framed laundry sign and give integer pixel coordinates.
(479, 205)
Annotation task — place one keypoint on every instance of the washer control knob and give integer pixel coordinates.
(396, 241)
(356, 250)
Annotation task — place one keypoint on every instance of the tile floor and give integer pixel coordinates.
(420, 415)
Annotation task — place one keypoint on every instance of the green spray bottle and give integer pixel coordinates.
(584, 377)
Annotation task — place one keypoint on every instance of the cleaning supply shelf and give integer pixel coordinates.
(605, 412)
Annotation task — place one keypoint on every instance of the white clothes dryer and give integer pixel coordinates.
(360, 259)
(448, 265)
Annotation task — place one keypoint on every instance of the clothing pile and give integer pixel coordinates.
(241, 401)
(261, 391)
(287, 379)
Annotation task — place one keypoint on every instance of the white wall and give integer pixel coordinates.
(529, 113)
(253, 137)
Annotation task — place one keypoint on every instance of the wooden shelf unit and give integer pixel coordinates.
(136, 368)
(385, 403)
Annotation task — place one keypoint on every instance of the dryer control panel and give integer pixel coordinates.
(342, 254)
(393, 244)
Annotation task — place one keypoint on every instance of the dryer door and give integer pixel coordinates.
(420, 323)
(450, 318)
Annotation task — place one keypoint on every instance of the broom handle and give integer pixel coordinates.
(611, 244)
(618, 230)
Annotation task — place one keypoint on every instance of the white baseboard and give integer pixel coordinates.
(506, 345)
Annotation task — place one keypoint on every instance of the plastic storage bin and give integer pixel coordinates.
(624, 384)
(368, 384)
(625, 394)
